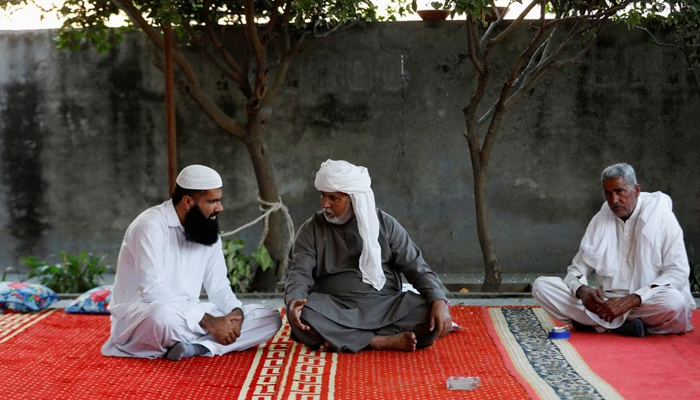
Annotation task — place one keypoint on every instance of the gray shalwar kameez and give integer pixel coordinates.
(345, 311)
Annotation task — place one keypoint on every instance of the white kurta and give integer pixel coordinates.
(628, 257)
(155, 300)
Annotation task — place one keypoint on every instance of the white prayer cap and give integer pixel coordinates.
(199, 177)
(341, 176)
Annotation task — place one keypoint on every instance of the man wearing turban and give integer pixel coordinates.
(343, 288)
(169, 253)
(634, 247)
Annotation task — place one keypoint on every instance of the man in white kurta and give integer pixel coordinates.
(634, 245)
(156, 308)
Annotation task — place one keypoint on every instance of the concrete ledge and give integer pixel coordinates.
(459, 288)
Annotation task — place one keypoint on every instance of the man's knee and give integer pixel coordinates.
(542, 286)
(266, 316)
(669, 300)
(165, 317)
(675, 300)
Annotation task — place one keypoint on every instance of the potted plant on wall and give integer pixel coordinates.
(482, 10)
(433, 10)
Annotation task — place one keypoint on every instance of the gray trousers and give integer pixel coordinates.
(347, 339)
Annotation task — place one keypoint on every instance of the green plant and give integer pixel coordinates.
(74, 274)
(241, 267)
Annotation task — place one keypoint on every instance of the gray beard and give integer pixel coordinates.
(342, 219)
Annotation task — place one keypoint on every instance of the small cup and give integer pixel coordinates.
(463, 382)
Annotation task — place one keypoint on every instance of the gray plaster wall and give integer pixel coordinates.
(82, 142)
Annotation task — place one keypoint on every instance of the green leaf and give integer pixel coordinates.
(262, 257)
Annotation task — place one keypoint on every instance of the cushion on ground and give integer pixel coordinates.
(94, 301)
(25, 297)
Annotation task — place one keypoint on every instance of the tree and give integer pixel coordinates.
(251, 42)
(563, 33)
(681, 18)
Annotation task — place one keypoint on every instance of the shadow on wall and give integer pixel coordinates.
(22, 145)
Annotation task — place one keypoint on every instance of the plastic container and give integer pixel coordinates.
(463, 382)
(560, 332)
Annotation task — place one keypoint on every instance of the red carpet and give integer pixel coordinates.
(56, 355)
(423, 374)
(59, 358)
(655, 367)
(397, 375)
(595, 365)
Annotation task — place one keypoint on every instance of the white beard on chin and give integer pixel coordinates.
(343, 219)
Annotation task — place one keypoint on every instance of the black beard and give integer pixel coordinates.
(200, 229)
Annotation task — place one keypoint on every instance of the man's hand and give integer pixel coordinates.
(294, 316)
(592, 299)
(615, 307)
(440, 318)
(225, 329)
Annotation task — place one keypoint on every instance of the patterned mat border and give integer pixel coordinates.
(553, 368)
(13, 323)
(284, 369)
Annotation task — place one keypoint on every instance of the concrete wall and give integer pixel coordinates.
(82, 142)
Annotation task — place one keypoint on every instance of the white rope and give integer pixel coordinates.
(269, 208)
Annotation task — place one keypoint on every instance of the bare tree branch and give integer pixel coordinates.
(656, 41)
(192, 86)
(256, 46)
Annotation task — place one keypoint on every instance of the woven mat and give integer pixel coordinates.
(548, 369)
(57, 355)
(301, 373)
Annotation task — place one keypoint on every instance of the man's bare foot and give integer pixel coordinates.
(405, 341)
(324, 347)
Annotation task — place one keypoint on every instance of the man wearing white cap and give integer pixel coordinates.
(169, 253)
(343, 288)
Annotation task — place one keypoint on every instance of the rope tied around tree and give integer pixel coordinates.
(268, 209)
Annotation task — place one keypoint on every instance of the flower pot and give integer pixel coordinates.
(433, 15)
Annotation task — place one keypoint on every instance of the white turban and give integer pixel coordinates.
(341, 176)
(198, 177)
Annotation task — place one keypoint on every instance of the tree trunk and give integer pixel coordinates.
(492, 268)
(267, 188)
(694, 76)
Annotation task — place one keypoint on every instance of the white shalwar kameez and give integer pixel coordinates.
(628, 257)
(155, 300)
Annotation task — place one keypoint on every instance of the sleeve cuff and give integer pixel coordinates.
(575, 285)
(644, 293)
(434, 295)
